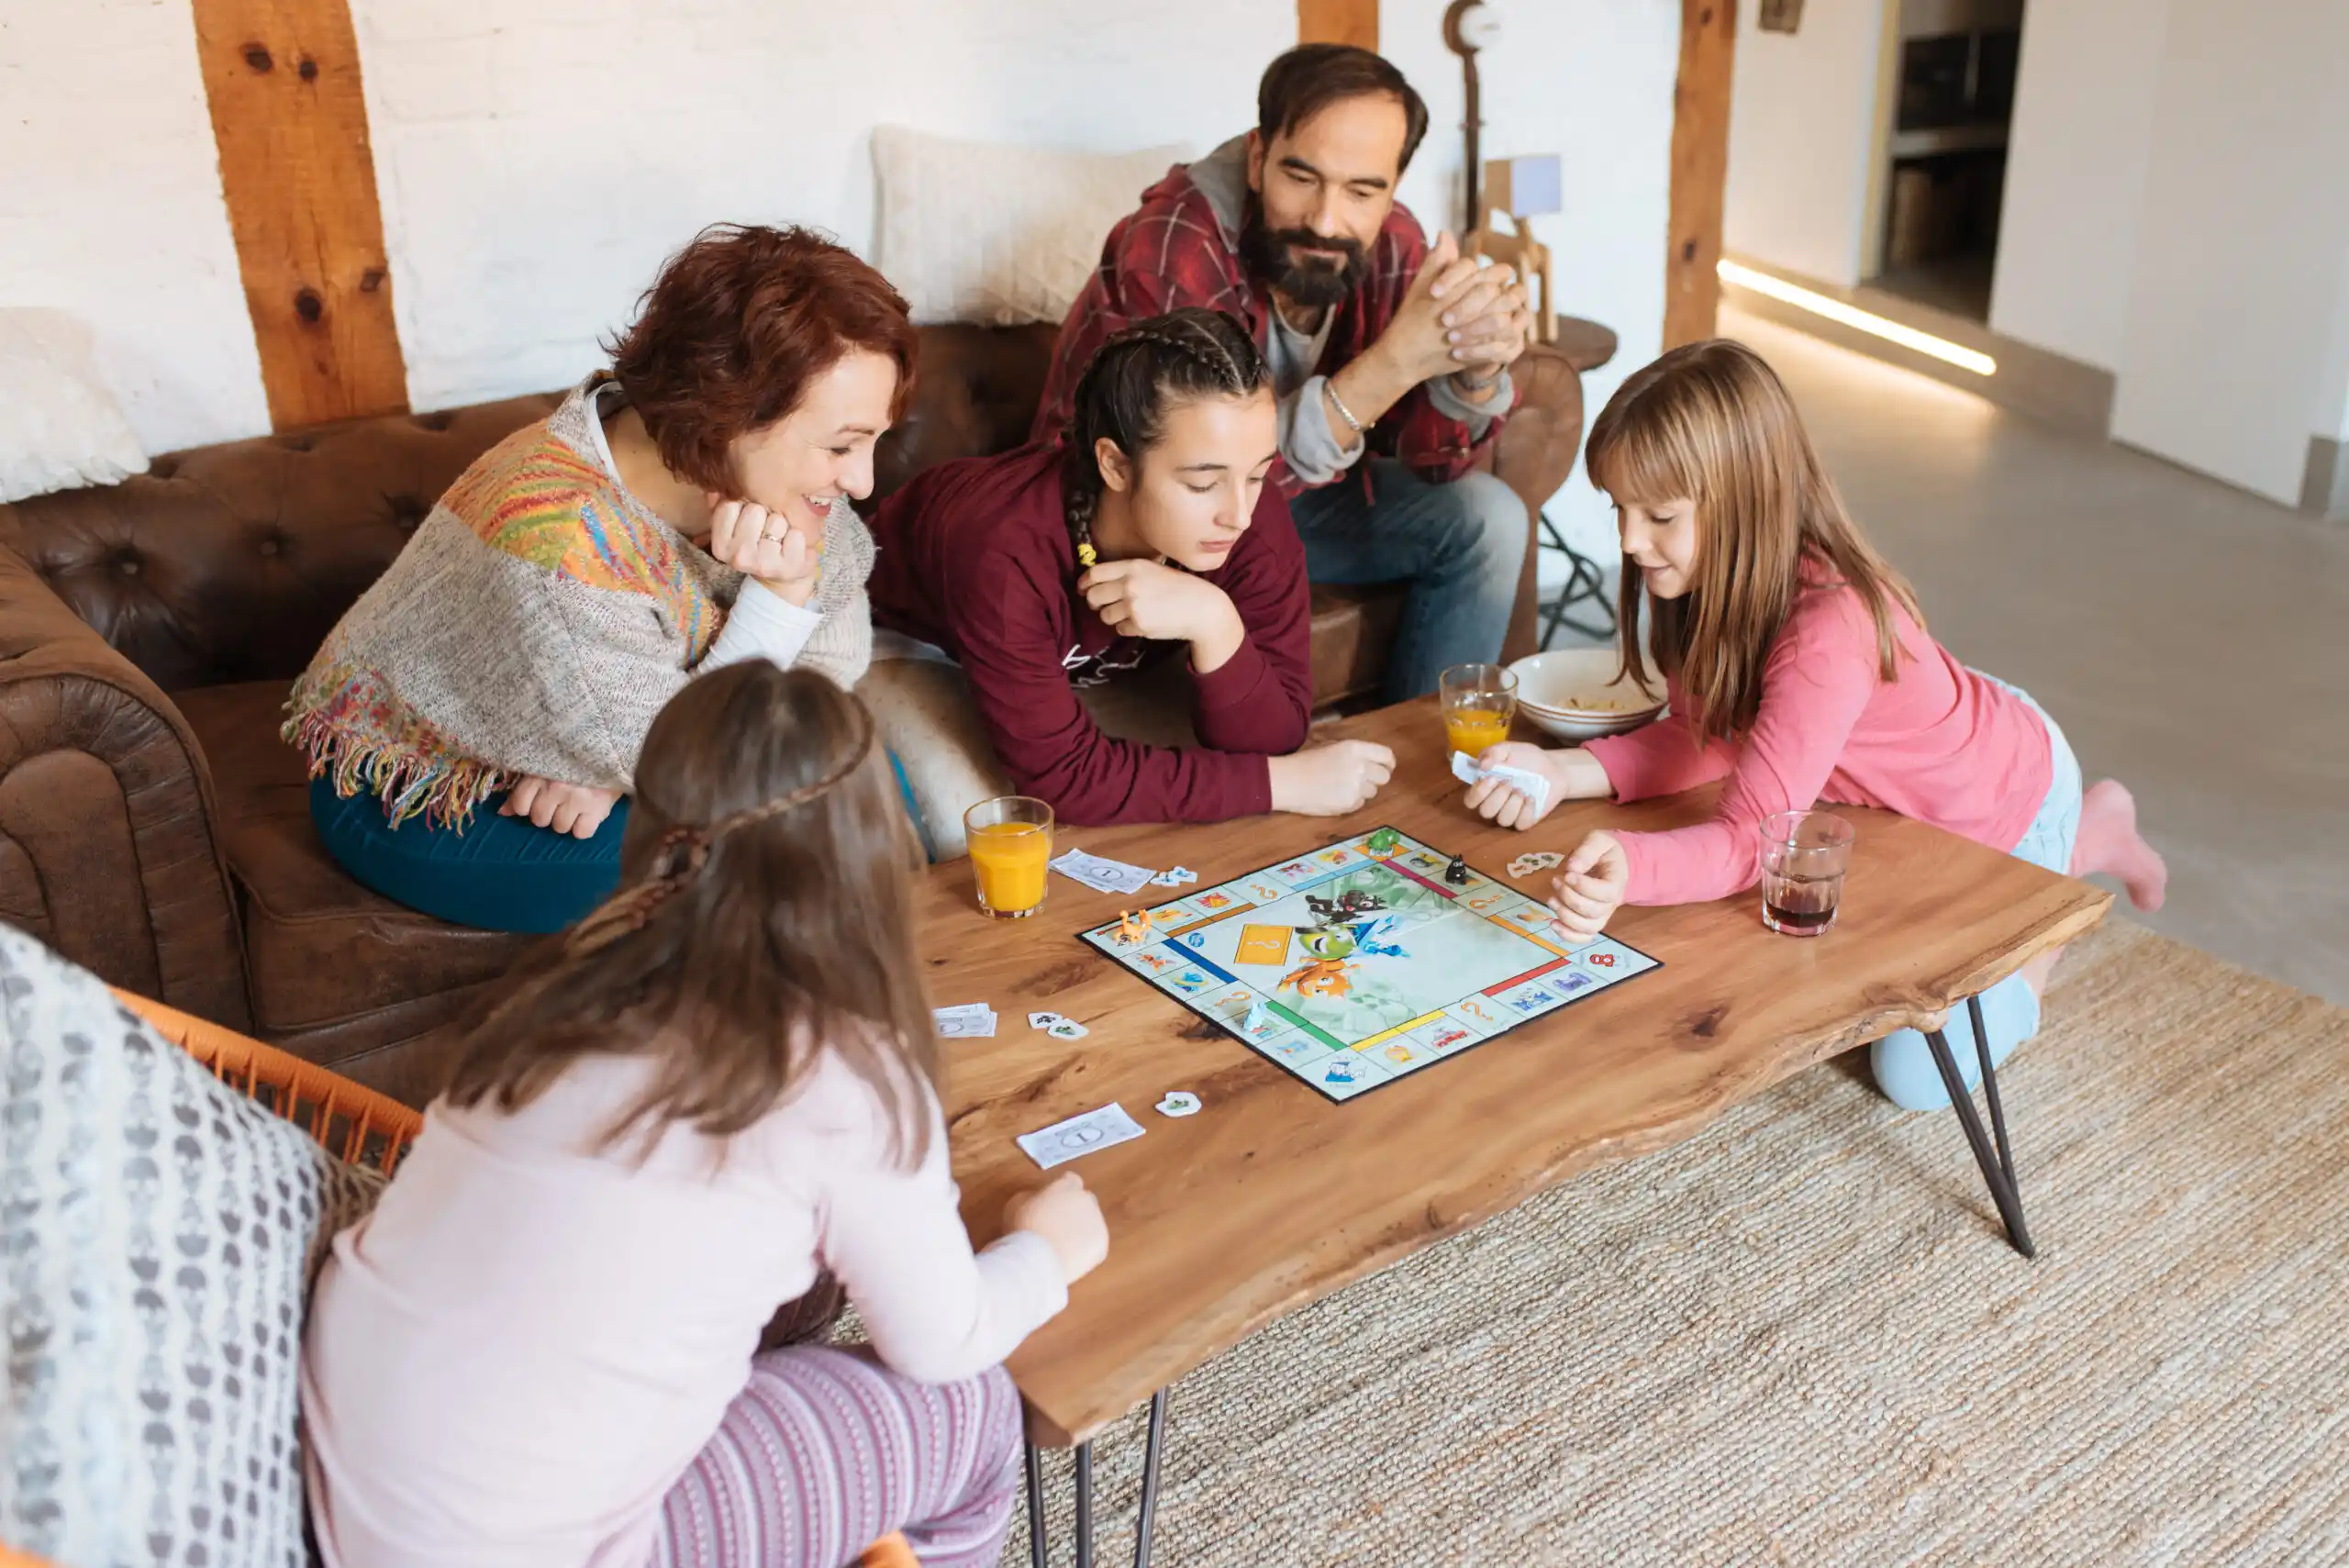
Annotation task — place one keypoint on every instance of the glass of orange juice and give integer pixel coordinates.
(1011, 846)
(1478, 701)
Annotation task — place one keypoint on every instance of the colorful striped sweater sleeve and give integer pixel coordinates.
(534, 626)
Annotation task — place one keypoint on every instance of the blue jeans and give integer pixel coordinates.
(1461, 546)
(500, 873)
(1901, 1061)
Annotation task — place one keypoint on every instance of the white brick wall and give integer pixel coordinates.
(1591, 80)
(110, 208)
(536, 159)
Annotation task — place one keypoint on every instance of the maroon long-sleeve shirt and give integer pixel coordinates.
(975, 557)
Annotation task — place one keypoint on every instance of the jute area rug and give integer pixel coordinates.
(1800, 1338)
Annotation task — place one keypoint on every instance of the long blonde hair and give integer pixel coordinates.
(1712, 423)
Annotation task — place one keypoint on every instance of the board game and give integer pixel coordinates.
(1359, 963)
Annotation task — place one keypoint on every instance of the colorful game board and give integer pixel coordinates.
(1356, 965)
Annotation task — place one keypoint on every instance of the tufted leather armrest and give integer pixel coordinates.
(108, 849)
(231, 562)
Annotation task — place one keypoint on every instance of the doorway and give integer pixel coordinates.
(1953, 95)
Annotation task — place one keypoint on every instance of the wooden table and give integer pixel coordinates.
(1272, 1197)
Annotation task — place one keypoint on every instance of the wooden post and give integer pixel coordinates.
(290, 123)
(1700, 98)
(1338, 21)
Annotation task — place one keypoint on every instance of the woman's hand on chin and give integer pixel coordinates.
(766, 546)
(576, 809)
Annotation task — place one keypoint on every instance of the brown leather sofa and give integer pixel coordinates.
(155, 828)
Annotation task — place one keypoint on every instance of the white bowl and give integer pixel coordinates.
(1569, 728)
(1572, 692)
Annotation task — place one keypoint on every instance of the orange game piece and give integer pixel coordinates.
(1327, 978)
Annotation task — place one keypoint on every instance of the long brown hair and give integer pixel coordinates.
(1712, 423)
(765, 914)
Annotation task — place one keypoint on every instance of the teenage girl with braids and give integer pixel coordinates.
(541, 1349)
(1148, 530)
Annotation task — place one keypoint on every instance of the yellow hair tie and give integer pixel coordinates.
(1085, 556)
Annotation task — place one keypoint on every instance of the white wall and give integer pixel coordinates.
(2233, 356)
(1591, 80)
(2080, 152)
(537, 158)
(1802, 124)
(111, 209)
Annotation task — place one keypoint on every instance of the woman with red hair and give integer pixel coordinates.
(472, 723)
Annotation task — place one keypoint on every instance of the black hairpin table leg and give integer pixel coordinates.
(1085, 1505)
(1036, 1554)
(1996, 1158)
(1039, 1554)
(1150, 1478)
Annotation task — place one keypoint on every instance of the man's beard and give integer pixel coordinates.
(1315, 281)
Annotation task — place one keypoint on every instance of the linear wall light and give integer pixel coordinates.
(1859, 320)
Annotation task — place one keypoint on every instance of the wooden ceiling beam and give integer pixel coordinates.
(290, 121)
(1338, 21)
(1700, 100)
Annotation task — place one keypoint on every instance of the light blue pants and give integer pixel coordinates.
(1901, 1061)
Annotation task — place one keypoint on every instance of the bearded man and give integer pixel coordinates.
(1390, 357)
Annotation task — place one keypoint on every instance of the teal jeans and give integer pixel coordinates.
(1901, 1061)
(499, 874)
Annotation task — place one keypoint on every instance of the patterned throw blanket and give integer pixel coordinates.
(534, 626)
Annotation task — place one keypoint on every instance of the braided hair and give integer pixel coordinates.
(1132, 379)
(765, 918)
(683, 850)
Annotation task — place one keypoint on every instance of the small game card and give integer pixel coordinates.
(1103, 875)
(1065, 1140)
(1531, 786)
(968, 1020)
(1264, 944)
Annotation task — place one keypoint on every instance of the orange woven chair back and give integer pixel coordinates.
(356, 1125)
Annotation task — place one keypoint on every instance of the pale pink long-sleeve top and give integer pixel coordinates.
(1943, 744)
(515, 1357)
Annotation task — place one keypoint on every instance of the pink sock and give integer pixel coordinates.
(2109, 843)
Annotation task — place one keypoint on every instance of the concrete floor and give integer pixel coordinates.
(2192, 640)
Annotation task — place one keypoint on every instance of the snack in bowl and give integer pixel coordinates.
(1575, 694)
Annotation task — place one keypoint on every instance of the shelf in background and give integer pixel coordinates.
(1936, 140)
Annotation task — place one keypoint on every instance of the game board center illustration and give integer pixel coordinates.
(1363, 962)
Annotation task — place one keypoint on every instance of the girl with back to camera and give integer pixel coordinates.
(543, 1347)
(1798, 669)
(1149, 529)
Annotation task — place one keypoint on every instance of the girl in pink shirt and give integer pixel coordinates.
(544, 1348)
(1798, 669)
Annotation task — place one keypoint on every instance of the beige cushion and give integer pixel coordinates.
(993, 234)
(59, 425)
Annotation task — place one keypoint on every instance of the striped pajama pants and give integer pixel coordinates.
(825, 1452)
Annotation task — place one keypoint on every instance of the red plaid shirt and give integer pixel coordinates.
(1171, 253)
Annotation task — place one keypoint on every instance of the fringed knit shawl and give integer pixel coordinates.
(534, 626)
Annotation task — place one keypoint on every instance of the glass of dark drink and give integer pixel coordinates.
(1804, 857)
